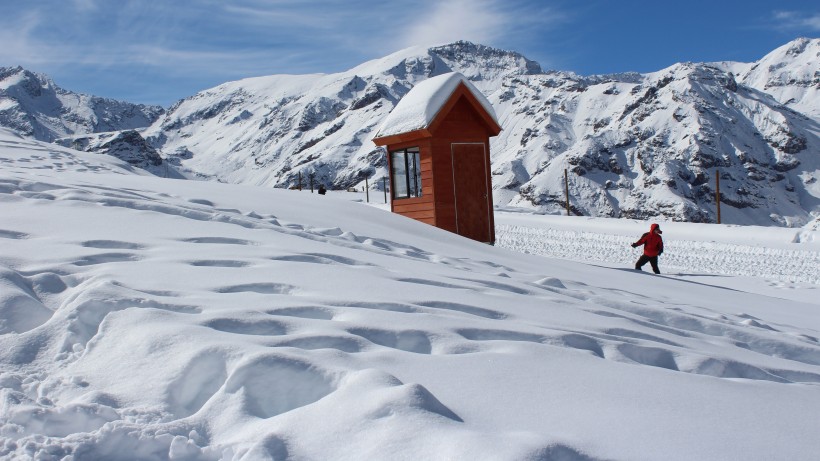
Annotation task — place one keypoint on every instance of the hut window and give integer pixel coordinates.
(406, 165)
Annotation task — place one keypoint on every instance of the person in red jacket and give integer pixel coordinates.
(652, 248)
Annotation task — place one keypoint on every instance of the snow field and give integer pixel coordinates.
(679, 257)
(182, 320)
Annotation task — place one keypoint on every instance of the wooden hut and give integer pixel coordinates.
(438, 144)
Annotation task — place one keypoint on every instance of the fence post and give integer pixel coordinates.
(717, 193)
(311, 182)
(566, 188)
(384, 187)
(366, 190)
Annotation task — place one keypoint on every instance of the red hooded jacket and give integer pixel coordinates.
(651, 241)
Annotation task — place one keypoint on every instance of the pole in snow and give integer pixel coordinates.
(366, 190)
(566, 188)
(384, 186)
(717, 193)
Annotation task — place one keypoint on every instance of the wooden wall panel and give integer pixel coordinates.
(461, 125)
(419, 214)
(415, 205)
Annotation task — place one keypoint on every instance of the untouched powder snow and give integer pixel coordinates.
(155, 319)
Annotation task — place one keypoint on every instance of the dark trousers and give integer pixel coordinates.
(653, 260)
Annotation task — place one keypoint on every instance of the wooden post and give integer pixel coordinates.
(366, 190)
(566, 188)
(311, 183)
(384, 186)
(717, 193)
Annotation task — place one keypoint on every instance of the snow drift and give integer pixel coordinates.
(156, 319)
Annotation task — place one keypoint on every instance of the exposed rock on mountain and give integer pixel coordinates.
(127, 145)
(653, 148)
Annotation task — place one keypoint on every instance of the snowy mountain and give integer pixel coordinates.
(34, 106)
(637, 145)
(790, 74)
(268, 130)
(151, 319)
(653, 147)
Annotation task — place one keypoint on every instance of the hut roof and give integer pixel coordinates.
(418, 108)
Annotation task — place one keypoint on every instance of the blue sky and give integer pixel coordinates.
(159, 51)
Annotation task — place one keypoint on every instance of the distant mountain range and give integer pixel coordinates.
(636, 145)
(32, 105)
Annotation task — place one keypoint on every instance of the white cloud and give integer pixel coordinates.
(226, 64)
(481, 21)
(85, 5)
(20, 47)
(797, 20)
(219, 41)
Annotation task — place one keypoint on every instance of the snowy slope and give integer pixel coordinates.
(156, 319)
(33, 105)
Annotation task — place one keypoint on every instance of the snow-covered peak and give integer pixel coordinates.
(32, 104)
(402, 64)
(790, 73)
(648, 146)
(795, 63)
(480, 62)
(22, 79)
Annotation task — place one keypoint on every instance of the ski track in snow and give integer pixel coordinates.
(680, 256)
(162, 325)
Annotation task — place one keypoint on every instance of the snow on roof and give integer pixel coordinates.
(417, 109)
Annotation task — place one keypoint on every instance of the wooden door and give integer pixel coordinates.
(471, 189)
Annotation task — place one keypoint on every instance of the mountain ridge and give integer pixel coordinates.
(637, 145)
(32, 104)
